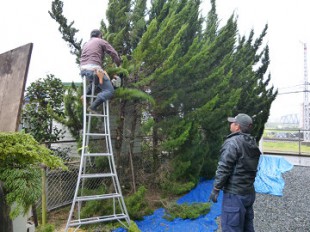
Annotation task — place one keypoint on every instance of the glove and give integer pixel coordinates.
(214, 195)
(116, 81)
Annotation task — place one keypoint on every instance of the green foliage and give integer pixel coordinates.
(20, 159)
(73, 111)
(137, 205)
(196, 74)
(18, 149)
(175, 187)
(66, 29)
(147, 126)
(94, 207)
(22, 186)
(186, 211)
(177, 135)
(41, 95)
(46, 228)
(119, 25)
(133, 227)
(133, 94)
(138, 25)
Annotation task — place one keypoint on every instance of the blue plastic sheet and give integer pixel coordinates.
(206, 223)
(269, 180)
(269, 176)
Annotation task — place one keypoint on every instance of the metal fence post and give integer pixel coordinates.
(299, 142)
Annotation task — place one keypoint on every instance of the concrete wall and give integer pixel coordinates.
(13, 75)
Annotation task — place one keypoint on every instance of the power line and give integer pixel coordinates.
(288, 87)
(300, 91)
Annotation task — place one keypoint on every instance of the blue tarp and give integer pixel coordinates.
(156, 222)
(269, 176)
(269, 180)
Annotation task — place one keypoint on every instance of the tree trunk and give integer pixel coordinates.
(6, 224)
(120, 132)
(155, 147)
(132, 143)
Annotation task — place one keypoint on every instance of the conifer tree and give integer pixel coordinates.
(212, 23)
(138, 25)
(203, 100)
(118, 15)
(66, 29)
(197, 76)
(255, 98)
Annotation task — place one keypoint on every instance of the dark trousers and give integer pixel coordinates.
(237, 213)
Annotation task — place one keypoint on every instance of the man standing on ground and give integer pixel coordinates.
(92, 56)
(235, 175)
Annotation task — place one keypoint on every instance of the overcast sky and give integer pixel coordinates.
(28, 21)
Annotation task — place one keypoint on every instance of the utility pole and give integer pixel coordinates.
(306, 113)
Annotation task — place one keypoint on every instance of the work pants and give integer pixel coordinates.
(237, 213)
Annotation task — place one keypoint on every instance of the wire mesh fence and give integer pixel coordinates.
(61, 185)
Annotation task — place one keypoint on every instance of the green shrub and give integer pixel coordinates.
(46, 228)
(20, 159)
(186, 211)
(137, 205)
(133, 227)
(176, 188)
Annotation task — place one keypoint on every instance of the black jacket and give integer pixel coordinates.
(238, 163)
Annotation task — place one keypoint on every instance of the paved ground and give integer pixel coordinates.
(291, 212)
(297, 160)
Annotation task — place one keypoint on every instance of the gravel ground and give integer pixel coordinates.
(291, 212)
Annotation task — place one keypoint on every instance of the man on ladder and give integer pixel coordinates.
(93, 53)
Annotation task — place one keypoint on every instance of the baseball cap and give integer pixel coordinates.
(242, 119)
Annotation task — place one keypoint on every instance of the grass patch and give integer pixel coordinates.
(285, 147)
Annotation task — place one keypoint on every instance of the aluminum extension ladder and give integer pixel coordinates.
(118, 208)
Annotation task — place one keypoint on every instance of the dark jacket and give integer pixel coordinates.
(238, 163)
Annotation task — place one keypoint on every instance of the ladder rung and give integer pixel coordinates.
(121, 212)
(97, 154)
(91, 220)
(97, 115)
(91, 96)
(98, 197)
(96, 134)
(97, 175)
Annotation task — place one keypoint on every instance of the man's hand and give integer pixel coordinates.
(214, 195)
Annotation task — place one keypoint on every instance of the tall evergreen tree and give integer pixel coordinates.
(255, 98)
(197, 76)
(158, 10)
(212, 23)
(203, 99)
(138, 24)
(118, 15)
(66, 29)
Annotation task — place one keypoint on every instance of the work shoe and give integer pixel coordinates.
(93, 111)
